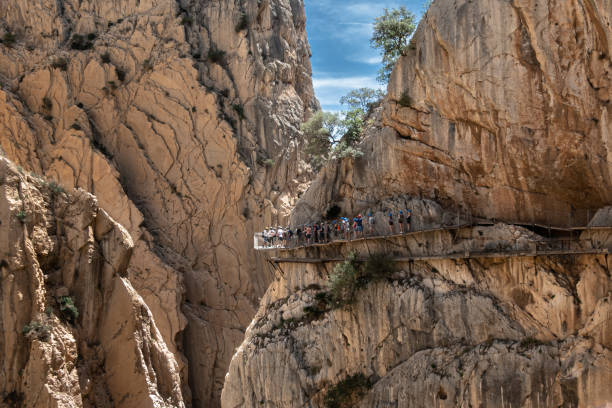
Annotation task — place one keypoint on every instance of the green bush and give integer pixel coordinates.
(60, 63)
(55, 187)
(68, 309)
(268, 162)
(239, 110)
(186, 20)
(351, 275)
(405, 100)
(215, 55)
(348, 392)
(243, 23)
(81, 42)
(9, 39)
(343, 281)
(37, 330)
(21, 215)
(105, 58)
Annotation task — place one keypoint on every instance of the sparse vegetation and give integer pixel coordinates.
(239, 110)
(348, 392)
(37, 330)
(112, 85)
(186, 20)
(75, 126)
(9, 39)
(405, 100)
(105, 58)
(147, 65)
(21, 216)
(392, 31)
(268, 162)
(243, 23)
(55, 187)
(60, 63)
(215, 55)
(351, 275)
(81, 42)
(68, 309)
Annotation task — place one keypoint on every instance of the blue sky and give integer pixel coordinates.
(339, 33)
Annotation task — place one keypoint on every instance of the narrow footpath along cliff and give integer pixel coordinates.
(182, 118)
(74, 331)
(499, 110)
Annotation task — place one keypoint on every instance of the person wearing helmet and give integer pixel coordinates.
(400, 221)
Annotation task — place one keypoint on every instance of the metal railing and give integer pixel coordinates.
(290, 240)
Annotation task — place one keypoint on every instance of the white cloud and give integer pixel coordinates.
(347, 82)
(329, 90)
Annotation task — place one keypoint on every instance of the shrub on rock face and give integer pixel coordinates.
(348, 392)
(216, 56)
(351, 275)
(243, 23)
(37, 330)
(343, 281)
(68, 309)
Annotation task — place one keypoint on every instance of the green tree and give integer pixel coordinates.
(362, 98)
(392, 31)
(322, 133)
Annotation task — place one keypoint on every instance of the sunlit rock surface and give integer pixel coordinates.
(57, 244)
(499, 110)
(182, 118)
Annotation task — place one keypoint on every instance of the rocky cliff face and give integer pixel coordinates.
(182, 118)
(74, 331)
(517, 331)
(499, 108)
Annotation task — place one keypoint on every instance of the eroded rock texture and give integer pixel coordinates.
(60, 248)
(504, 331)
(182, 117)
(499, 108)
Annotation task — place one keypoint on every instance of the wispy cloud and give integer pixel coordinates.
(348, 82)
(329, 90)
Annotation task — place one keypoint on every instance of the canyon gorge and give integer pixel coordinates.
(144, 142)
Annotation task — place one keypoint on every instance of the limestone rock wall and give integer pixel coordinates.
(108, 352)
(514, 331)
(182, 117)
(500, 108)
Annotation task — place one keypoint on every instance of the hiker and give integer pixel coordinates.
(408, 219)
(390, 222)
(359, 226)
(338, 226)
(371, 222)
(298, 234)
(308, 234)
(400, 221)
(279, 237)
(347, 230)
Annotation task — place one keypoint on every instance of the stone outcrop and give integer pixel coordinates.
(74, 331)
(498, 111)
(499, 108)
(182, 118)
(504, 331)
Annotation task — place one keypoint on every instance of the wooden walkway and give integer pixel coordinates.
(570, 230)
(464, 255)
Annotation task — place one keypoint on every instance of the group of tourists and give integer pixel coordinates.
(340, 228)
